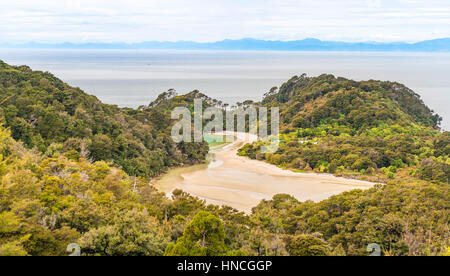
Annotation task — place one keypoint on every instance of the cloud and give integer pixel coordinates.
(202, 20)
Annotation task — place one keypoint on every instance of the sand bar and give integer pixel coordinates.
(242, 183)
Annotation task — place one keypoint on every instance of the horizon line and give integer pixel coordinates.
(223, 40)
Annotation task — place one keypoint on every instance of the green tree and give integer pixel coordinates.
(131, 233)
(203, 236)
(307, 245)
(10, 244)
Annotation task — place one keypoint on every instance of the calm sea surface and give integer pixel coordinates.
(135, 77)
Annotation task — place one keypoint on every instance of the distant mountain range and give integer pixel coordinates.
(310, 44)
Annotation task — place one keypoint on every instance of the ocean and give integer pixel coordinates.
(136, 77)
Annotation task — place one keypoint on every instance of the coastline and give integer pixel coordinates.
(242, 183)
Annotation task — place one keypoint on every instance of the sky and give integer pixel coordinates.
(50, 21)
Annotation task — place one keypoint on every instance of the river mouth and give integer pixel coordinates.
(242, 183)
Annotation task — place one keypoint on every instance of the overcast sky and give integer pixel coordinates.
(212, 20)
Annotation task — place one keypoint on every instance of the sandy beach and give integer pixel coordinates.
(242, 183)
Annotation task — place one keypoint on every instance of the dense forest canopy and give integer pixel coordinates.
(370, 129)
(47, 114)
(310, 102)
(75, 170)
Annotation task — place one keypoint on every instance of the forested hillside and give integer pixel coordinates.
(311, 102)
(47, 114)
(371, 129)
(66, 176)
(48, 203)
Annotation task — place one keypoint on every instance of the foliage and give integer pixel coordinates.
(307, 245)
(370, 129)
(405, 218)
(48, 203)
(307, 102)
(44, 112)
(133, 233)
(70, 175)
(203, 236)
